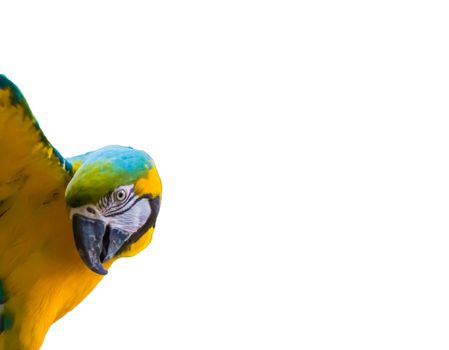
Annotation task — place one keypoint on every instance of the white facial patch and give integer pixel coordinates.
(132, 219)
(127, 213)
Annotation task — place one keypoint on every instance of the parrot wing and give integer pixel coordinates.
(33, 179)
(21, 138)
(27, 160)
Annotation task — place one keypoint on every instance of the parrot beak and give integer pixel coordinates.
(96, 241)
(89, 235)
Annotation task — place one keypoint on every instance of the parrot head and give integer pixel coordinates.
(114, 198)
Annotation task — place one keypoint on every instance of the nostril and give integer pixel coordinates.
(91, 210)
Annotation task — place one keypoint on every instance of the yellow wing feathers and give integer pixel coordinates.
(35, 229)
(28, 165)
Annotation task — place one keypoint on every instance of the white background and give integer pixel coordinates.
(303, 148)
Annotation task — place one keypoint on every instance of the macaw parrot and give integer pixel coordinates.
(63, 221)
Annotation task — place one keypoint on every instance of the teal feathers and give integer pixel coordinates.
(17, 99)
(5, 320)
(2, 293)
(16, 94)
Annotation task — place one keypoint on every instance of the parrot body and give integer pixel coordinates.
(62, 221)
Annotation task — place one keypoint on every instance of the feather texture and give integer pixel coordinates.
(41, 274)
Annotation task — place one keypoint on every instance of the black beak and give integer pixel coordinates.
(96, 242)
(89, 234)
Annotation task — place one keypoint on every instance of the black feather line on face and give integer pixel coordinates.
(105, 202)
(115, 213)
(155, 204)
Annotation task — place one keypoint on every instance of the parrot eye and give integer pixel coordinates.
(120, 195)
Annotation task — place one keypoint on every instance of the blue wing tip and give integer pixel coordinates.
(2, 293)
(16, 95)
(2, 301)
